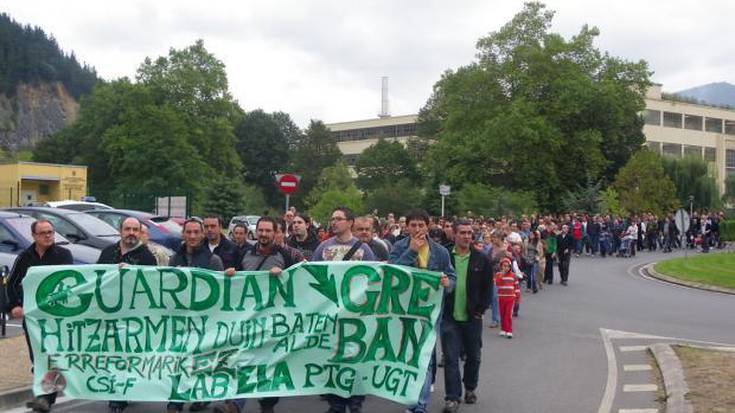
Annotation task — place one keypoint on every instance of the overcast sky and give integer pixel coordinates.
(324, 59)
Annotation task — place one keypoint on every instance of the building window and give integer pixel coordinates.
(653, 117)
(713, 125)
(43, 189)
(654, 146)
(695, 151)
(671, 149)
(672, 120)
(693, 122)
(730, 158)
(730, 127)
(710, 154)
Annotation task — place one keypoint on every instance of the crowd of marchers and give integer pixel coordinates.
(485, 265)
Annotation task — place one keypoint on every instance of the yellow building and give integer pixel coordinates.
(27, 182)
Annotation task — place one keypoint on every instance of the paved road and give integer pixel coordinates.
(568, 342)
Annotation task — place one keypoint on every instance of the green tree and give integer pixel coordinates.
(488, 201)
(610, 202)
(335, 187)
(351, 198)
(398, 197)
(224, 197)
(729, 195)
(254, 201)
(535, 112)
(644, 186)
(586, 198)
(385, 162)
(194, 82)
(169, 133)
(314, 151)
(692, 177)
(263, 147)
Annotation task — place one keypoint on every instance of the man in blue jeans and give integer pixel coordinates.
(462, 318)
(419, 251)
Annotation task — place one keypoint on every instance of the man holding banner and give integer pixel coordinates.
(43, 251)
(265, 255)
(193, 253)
(129, 250)
(420, 251)
(343, 246)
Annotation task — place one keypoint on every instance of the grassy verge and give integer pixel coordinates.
(709, 375)
(713, 269)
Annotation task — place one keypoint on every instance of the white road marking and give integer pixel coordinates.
(612, 374)
(633, 348)
(616, 334)
(630, 388)
(637, 367)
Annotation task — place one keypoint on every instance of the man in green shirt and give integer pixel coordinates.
(462, 317)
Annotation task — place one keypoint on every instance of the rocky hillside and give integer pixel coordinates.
(33, 113)
(40, 85)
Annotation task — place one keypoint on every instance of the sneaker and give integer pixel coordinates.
(502, 333)
(198, 406)
(431, 389)
(509, 335)
(451, 406)
(39, 404)
(493, 325)
(470, 397)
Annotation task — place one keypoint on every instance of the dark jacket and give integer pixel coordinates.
(439, 260)
(379, 249)
(564, 244)
(479, 275)
(306, 247)
(139, 255)
(228, 252)
(55, 255)
(201, 257)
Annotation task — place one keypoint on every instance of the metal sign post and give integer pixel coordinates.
(444, 191)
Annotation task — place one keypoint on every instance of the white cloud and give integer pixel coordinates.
(324, 59)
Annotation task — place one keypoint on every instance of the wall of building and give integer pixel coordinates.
(61, 181)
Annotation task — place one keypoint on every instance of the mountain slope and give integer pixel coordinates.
(720, 93)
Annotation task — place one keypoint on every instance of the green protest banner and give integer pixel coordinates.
(163, 333)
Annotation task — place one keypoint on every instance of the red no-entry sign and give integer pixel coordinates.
(288, 183)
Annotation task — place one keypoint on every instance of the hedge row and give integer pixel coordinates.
(727, 230)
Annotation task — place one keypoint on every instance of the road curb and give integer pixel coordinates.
(673, 375)
(651, 271)
(15, 397)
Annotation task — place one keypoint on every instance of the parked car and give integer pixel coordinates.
(76, 205)
(248, 220)
(75, 226)
(163, 230)
(15, 236)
